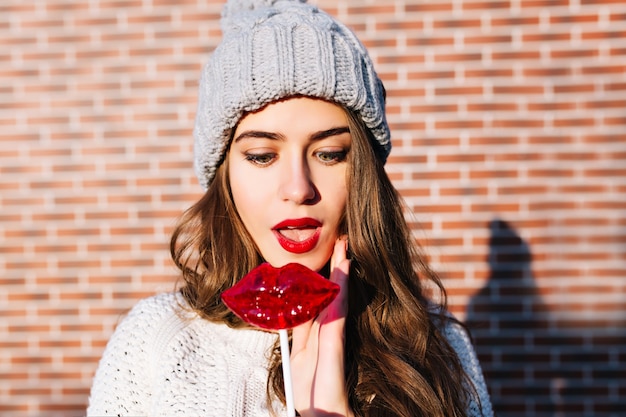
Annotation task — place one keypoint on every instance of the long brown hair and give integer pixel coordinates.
(398, 363)
(213, 249)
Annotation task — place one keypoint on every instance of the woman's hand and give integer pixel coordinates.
(317, 352)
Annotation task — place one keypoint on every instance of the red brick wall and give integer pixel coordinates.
(508, 120)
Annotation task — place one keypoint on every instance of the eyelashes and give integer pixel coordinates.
(261, 159)
(332, 157)
(264, 159)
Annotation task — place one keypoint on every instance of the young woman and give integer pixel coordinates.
(291, 141)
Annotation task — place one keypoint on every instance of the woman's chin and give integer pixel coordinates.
(314, 263)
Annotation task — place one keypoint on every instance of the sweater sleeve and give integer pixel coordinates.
(122, 383)
(479, 403)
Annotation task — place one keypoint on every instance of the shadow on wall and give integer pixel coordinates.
(533, 366)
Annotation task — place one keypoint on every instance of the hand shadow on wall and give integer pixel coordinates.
(533, 365)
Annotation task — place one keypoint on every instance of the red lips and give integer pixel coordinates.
(298, 235)
(280, 298)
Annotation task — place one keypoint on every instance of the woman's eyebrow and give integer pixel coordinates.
(323, 134)
(330, 132)
(258, 134)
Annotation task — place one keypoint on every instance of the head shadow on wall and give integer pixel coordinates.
(534, 363)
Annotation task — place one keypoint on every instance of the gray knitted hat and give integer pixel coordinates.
(273, 49)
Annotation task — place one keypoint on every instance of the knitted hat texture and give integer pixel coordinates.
(273, 49)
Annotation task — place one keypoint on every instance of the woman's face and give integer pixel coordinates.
(287, 167)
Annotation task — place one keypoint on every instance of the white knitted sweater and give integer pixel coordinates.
(163, 360)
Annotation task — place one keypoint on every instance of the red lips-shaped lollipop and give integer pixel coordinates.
(280, 298)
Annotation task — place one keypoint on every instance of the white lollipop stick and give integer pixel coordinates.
(284, 351)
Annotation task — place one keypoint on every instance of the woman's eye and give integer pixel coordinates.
(260, 159)
(330, 157)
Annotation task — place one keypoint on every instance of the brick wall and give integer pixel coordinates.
(508, 120)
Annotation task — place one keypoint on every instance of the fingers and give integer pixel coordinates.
(339, 266)
(317, 353)
(340, 253)
(339, 272)
(330, 382)
(300, 337)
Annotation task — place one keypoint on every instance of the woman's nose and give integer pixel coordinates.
(296, 184)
